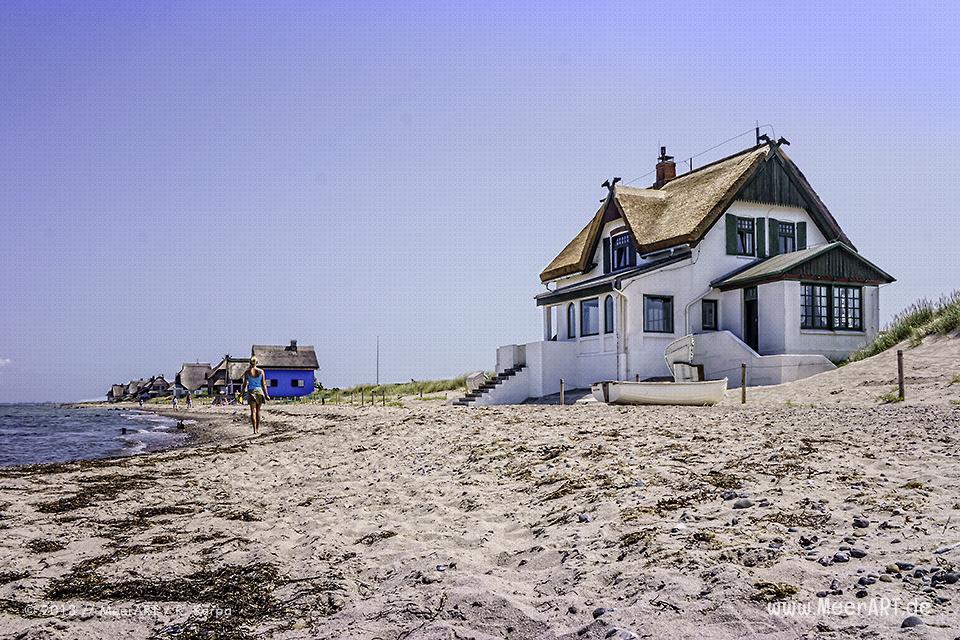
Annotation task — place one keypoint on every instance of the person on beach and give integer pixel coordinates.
(189, 400)
(254, 389)
(176, 404)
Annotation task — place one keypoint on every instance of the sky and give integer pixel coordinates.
(179, 181)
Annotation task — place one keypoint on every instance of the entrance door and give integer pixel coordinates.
(751, 319)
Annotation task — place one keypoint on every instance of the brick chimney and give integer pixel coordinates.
(666, 168)
(293, 346)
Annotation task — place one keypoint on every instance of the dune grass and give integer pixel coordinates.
(921, 319)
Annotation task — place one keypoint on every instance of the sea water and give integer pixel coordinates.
(34, 433)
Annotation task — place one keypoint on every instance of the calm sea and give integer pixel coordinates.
(32, 433)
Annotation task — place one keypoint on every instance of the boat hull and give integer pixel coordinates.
(698, 394)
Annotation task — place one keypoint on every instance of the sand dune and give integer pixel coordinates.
(584, 521)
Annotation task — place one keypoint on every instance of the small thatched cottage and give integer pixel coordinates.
(192, 377)
(227, 377)
(290, 370)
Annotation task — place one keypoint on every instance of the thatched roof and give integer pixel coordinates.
(234, 367)
(193, 375)
(118, 390)
(682, 210)
(291, 356)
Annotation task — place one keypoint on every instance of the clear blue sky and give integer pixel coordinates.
(179, 181)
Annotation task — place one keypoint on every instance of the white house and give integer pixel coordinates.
(741, 254)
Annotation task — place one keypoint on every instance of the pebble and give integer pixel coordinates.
(585, 517)
(861, 523)
(728, 495)
(866, 581)
(886, 578)
(911, 621)
(951, 577)
(857, 553)
(822, 594)
(571, 609)
(841, 556)
(599, 611)
(862, 593)
(792, 530)
(904, 566)
(825, 561)
(742, 503)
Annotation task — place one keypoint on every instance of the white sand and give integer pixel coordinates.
(364, 506)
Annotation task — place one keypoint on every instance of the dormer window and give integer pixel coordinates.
(745, 231)
(621, 253)
(787, 238)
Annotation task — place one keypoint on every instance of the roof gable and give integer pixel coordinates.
(832, 262)
(684, 209)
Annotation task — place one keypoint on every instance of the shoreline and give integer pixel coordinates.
(204, 429)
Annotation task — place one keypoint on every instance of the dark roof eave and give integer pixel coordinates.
(604, 283)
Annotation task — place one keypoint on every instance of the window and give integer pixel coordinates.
(590, 317)
(271, 382)
(657, 314)
(847, 309)
(608, 314)
(833, 307)
(787, 237)
(708, 313)
(745, 245)
(814, 313)
(571, 321)
(621, 251)
(296, 384)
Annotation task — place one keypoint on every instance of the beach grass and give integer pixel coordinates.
(921, 319)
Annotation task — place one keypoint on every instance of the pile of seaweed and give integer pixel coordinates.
(234, 599)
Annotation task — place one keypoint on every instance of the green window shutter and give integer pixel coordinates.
(761, 241)
(731, 235)
(801, 235)
(774, 226)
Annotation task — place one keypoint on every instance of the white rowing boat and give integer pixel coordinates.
(682, 393)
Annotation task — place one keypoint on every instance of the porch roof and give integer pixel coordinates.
(831, 262)
(602, 284)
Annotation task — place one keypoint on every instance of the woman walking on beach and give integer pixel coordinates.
(254, 388)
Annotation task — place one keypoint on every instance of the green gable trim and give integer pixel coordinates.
(833, 262)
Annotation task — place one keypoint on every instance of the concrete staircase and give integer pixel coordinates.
(471, 398)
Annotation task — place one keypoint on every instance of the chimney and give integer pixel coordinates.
(666, 168)
(293, 346)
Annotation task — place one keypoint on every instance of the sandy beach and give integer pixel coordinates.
(815, 511)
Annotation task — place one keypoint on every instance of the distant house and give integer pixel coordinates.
(132, 391)
(227, 376)
(116, 393)
(192, 377)
(290, 370)
(158, 386)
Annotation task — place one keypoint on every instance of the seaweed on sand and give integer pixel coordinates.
(93, 488)
(375, 537)
(45, 546)
(235, 598)
(772, 591)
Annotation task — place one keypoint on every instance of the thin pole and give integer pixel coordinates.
(900, 372)
(743, 383)
(378, 360)
(561, 392)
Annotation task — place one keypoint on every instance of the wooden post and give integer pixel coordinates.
(363, 398)
(561, 392)
(638, 378)
(384, 403)
(743, 383)
(900, 372)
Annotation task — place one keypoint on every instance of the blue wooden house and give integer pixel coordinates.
(290, 370)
